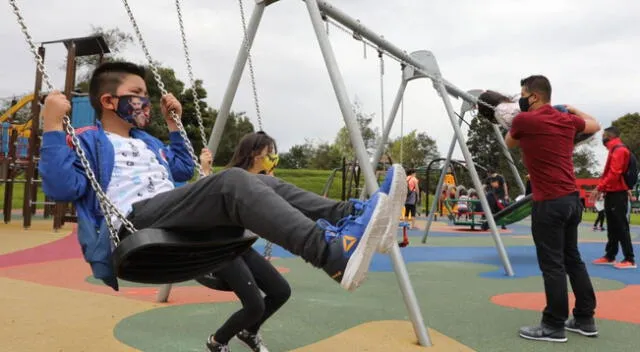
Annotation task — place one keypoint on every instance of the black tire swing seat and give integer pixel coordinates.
(158, 256)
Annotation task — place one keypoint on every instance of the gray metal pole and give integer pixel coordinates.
(440, 87)
(509, 157)
(236, 74)
(343, 97)
(434, 204)
(367, 169)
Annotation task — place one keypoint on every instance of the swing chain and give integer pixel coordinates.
(161, 87)
(380, 53)
(196, 99)
(108, 208)
(250, 61)
(245, 42)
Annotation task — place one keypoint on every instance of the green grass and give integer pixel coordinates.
(591, 217)
(310, 180)
(18, 196)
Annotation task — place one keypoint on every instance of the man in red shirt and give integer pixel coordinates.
(546, 137)
(616, 201)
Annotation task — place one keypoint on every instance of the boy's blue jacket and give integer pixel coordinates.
(63, 179)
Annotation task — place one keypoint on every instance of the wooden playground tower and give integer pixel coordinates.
(15, 159)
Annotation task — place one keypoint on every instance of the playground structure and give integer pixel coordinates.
(451, 178)
(351, 177)
(350, 180)
(419, 64)
(19, 155)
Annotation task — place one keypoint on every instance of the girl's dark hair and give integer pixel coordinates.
(249, 146)
(492, 98)
(463, 192)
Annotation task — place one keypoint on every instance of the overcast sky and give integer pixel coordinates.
(589, 49)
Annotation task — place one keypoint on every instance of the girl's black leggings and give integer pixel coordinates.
(248, 275)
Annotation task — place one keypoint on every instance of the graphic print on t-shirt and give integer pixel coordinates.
(136, 175)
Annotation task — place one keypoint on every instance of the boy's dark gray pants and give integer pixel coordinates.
(273, 209)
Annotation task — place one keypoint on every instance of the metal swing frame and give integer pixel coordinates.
(418, 65)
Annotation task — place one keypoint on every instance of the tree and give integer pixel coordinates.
(418, 149)
(482, 143)
(325, 156)
(369, 135)
(629, 131)
(237, 124)
(584, 161)
(297, 157)
(236, 127)
(117, 40)
(483, 146)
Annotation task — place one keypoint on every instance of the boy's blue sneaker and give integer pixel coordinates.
(353, 242)
(395, 187)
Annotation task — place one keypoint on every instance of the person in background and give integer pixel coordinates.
(616, 201)
(463, 204)
(413, 193)
(599, 205)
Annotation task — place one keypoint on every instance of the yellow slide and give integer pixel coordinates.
(12, 110)
(24, 129)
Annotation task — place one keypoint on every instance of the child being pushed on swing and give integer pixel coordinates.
(138, 171)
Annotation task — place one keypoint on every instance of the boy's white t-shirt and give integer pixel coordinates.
(136, 175)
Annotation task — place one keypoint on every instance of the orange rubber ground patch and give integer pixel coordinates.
(71, 273)
(620, 305)
(40, 318)
(14, 237)
(387, 335)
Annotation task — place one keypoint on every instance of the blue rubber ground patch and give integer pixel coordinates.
(523, 260)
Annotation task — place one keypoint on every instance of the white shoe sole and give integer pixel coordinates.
(262, 348)
(627, 267)
(358, 265)
(549, 339)
(397, 197)
(583, 333)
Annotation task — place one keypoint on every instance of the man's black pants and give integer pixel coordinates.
(555, 233)
(616, 208)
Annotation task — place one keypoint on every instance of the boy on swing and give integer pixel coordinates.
(138, 173)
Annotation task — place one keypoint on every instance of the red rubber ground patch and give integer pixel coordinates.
(620, 305)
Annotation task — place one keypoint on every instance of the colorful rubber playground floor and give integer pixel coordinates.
(49, 302)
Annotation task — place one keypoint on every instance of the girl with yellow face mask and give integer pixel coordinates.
(250, 273)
